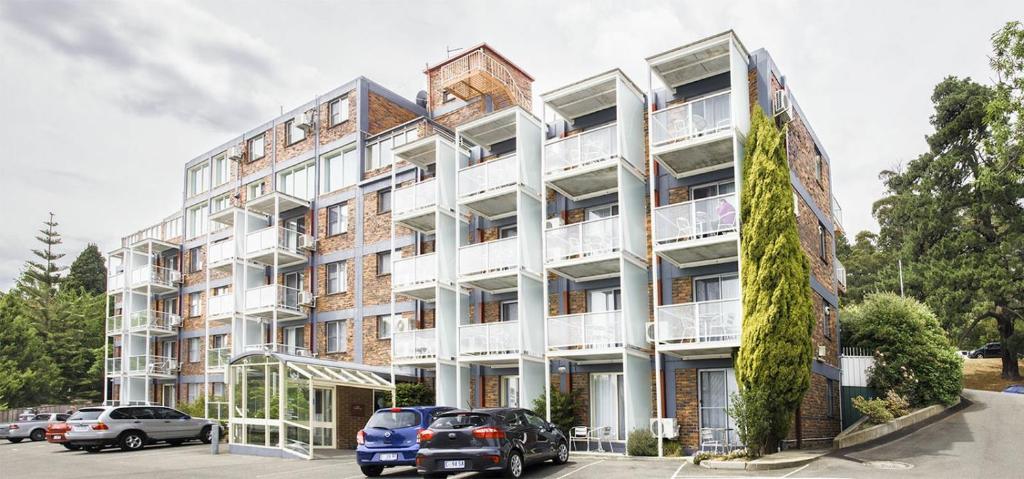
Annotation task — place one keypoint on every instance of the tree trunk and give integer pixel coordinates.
(1011, 370)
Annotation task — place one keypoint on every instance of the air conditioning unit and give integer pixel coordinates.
(552, 223)
(304, 120)
(780, 105)
(174, 320)
(306, 298)
(307, 242)
(402, 324)
(175, 276)
(665, 427)
(173, 365)
(235, 153)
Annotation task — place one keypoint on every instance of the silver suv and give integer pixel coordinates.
(132, 427)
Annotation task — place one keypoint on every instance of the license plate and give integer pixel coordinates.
(58, 436)
(454, 464)
(81, 427)
(391, 456)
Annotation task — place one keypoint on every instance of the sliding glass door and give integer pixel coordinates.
(716, 387)
(606, 408)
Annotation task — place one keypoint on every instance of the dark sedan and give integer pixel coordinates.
(498, 440)
(990, 350)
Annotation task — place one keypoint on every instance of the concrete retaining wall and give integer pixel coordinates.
(848, 438)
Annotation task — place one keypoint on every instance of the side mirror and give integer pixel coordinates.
(186, 418)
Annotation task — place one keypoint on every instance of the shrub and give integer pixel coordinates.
(563, 409)
(876, 409)
(194, 408)
(750, 410)
(671, 448)
(702, 456)
(641, 443)
(913, 356)
(737, 454)
(896, 404)
(413, 394)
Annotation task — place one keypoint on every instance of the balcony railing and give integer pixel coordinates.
(279, 348)
(565, 154)
(837, 213)
(489, 338)
(415, 197)
(580, 240)
(115, 324)
(153, 320)
(152, 365)
(691, 119)
(156, 275)
(415, 270)
(113, 366)
(696, 219)
(585, 331)
(488, 176)
(276, 237)
(220, 305)
(699, 322)
(840, 273)
(274, 295)
(115, 281)
(223, 251)
(218, 358)
(488, 257)
(415, 344)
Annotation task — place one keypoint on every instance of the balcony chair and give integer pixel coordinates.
(726, 216)
(599, 434)
(709, 442)
(579, 434)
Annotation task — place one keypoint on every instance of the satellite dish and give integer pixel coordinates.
(421, 98)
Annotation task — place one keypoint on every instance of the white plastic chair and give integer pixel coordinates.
(578, 434)
(602, 434)
(708, 440)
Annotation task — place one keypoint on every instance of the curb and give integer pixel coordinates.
(848, 439)
(756, 465)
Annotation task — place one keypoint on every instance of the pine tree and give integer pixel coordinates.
(40, 279)
(776, 352)
(88, 272)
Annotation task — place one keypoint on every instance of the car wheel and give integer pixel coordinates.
(206, 435)
(132, 441)
(37, 435)
(16, 439)
(561, 453)
(372, 471)
(93, 448)
(70, 447)
(514, 468)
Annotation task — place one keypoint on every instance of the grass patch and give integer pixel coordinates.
(984, 374)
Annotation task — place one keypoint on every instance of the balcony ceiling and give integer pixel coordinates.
(159, 246)
(693, 65)
(491, 129)
(265, 204)
(583, 98)
(420, 152)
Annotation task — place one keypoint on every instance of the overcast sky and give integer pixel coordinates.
(104, 102)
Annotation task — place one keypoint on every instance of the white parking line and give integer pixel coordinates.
(796, 471)
(307, 469)
(574, 471)
(674, 474)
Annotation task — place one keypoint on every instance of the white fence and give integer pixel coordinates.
(855, 363)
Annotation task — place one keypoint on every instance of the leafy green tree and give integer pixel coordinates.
(775, 356)
(563, 409)
(27, 375)
(75, 343)
(413, 394)
(869, 268)
(88, 272)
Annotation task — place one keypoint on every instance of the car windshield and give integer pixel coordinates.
(393, 419)
(459, 421)
(86, 415)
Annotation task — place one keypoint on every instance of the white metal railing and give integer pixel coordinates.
(218, 358)
(166, 230)
(157, 275)
(115, 281)
(489, 257)
(276, 237)
(153, 320)
(489, 338)
(145, 364)
(696, 219)
(837, 212)
(223, 251)
(414, 270)
(840, 273)
(565, 154)
(279, 348)
(692, 119)
(582, 239)
(415, 343)
(415, 197)
(699, 322)
(113, 366)
(274, 295)
(488, 176)
(115, 324)
(221, 305)
(585, 331)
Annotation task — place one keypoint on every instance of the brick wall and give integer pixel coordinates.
(815, 421)
(354, 407)
(329, 133)
(687, 411)
(385, 114)
(247, 165)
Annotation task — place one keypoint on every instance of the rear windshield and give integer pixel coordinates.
(394, 420)
(459, 421)
(86, 415)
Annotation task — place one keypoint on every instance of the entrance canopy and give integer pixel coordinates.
(285, 404)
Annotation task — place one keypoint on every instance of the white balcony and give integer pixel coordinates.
(840, 275)
(584, 251)
(221, 307)
(115, 325)
(289, 245)
(698, 232)
(217, 359)
(289, 349)
(415, 206)
(415, 276)
(587, 336)
(416, 347)
(275, 203)
(489, 188)
(289, 303)
(583, 165)
(698, 329)
(491, 266)
(115, 282)
(159, 279)
(113, 367)
(490, 343)
(837, 214)
(695, 136)
(145, 365)
(155, 323)
(223, 254)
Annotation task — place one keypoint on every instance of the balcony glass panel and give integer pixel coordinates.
(275, 236)
(580, 240)
(488, 176)
(488, 257)
(691, 119)
(113, 365)
(696, 219)
(415, 344)
(489, 338)
(222, 251)
(414, 270)
(580, 150)
(700, 322)
(273, 295)
(156, 275)
(840, 273)
(115, 324)
(157, 320)
(221, 305)
(279, 348)
(115, 281)
(151, 364)
(218, 358)
(415, 197)
(585, 331)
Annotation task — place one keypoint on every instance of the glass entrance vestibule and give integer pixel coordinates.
(283, 405)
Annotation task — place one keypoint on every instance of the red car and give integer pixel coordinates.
(57, 433)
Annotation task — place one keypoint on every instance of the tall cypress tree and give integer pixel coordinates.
(776, 352)
(88, 272)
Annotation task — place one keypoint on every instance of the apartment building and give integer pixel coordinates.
(467, 240)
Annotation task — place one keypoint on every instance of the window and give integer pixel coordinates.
(378, 151)
(169, 349)
(337, 219)
(826, 318)
(830, 391)
(509, 393)
(218, 390)
(822, 243)
(195, 260)
(166, 413)
(714, 288)
(193, 351)
(172, 262)
(509, 310)
(508, 232)
(218, 341)
(292, 133)
(220, 169)
(219, 203)
(384, 201)
(819, 164)
(299, 182)
(604, 300)
(256, 148)
(197, 220)
(339, 110)
(337, 341)
(294, 339)
(340, 169)
(198, 179)
(194, 305)
(337, 279)
(193, 392)
(256, 189)
(446, 96)
(603, 211)
(385, 325)
(383, 263)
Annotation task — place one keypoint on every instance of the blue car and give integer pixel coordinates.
(389, 438)
(1014, 389)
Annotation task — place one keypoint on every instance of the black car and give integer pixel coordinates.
(990, 350)
(498, 440)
